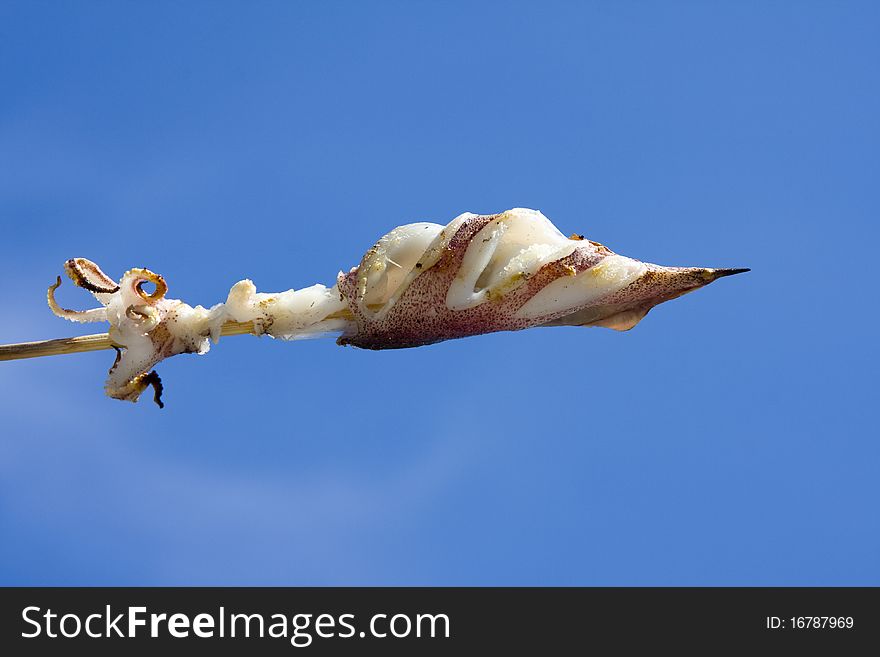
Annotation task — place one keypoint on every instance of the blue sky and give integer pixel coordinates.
(725, 440)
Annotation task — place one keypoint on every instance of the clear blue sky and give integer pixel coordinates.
(725, 440)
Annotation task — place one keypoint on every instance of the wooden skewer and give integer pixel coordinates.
(94, 342)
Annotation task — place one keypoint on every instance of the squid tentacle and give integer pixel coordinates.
(82, 316)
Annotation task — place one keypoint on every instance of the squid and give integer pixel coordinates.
(420, 284)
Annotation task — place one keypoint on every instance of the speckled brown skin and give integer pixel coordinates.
(623, 309)
(420, 315)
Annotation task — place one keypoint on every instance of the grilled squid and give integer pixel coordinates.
(421, 283)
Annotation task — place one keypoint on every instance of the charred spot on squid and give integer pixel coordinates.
(153, 379)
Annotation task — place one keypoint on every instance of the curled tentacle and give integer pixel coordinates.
(141, 276)
(146, 317)
(83, 316)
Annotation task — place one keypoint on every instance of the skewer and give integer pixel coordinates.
(83, 343)
(419, 284)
